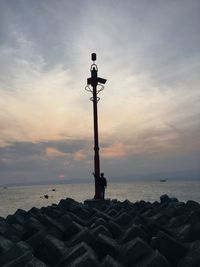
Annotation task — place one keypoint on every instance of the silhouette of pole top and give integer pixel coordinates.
(95, 80)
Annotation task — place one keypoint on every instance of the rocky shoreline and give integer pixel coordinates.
(111, 234)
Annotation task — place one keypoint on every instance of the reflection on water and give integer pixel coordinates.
(25, 197)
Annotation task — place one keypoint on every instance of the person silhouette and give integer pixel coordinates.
(102, 182)
(103, 185)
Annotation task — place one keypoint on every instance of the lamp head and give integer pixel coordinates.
(101, 80)
(93, 56)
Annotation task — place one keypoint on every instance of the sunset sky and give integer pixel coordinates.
(149, 112)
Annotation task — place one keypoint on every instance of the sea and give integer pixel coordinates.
(26, 197)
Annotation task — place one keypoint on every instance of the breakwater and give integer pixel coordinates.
(106, 234)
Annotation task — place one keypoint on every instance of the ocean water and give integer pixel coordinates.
(26, 197)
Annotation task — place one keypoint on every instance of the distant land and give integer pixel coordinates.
(168, 176)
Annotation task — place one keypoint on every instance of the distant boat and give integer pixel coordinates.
(163, 180)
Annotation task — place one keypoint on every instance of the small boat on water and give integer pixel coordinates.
(163, 180)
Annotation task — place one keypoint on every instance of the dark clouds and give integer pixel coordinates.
(18, 150)
(168, 148)
(47, 160)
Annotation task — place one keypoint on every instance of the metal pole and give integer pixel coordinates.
(95, 81)
(96, 145)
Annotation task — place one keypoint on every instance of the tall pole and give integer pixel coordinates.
(95, 81)
(96, 145)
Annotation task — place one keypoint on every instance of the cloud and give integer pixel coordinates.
(80, 155)
(46, 160)
(54, 153)
(35, 103)
(16, 151)
(115, 150)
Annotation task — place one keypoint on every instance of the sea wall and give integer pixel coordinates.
(106, 234)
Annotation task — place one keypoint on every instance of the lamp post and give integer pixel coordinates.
(95, 85)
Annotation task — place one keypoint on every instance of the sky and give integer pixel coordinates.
(149, 111)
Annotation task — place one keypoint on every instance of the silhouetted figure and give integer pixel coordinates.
(102, 183)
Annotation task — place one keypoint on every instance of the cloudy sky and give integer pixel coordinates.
(149, 112)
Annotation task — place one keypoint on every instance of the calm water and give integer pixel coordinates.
(25, 197)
